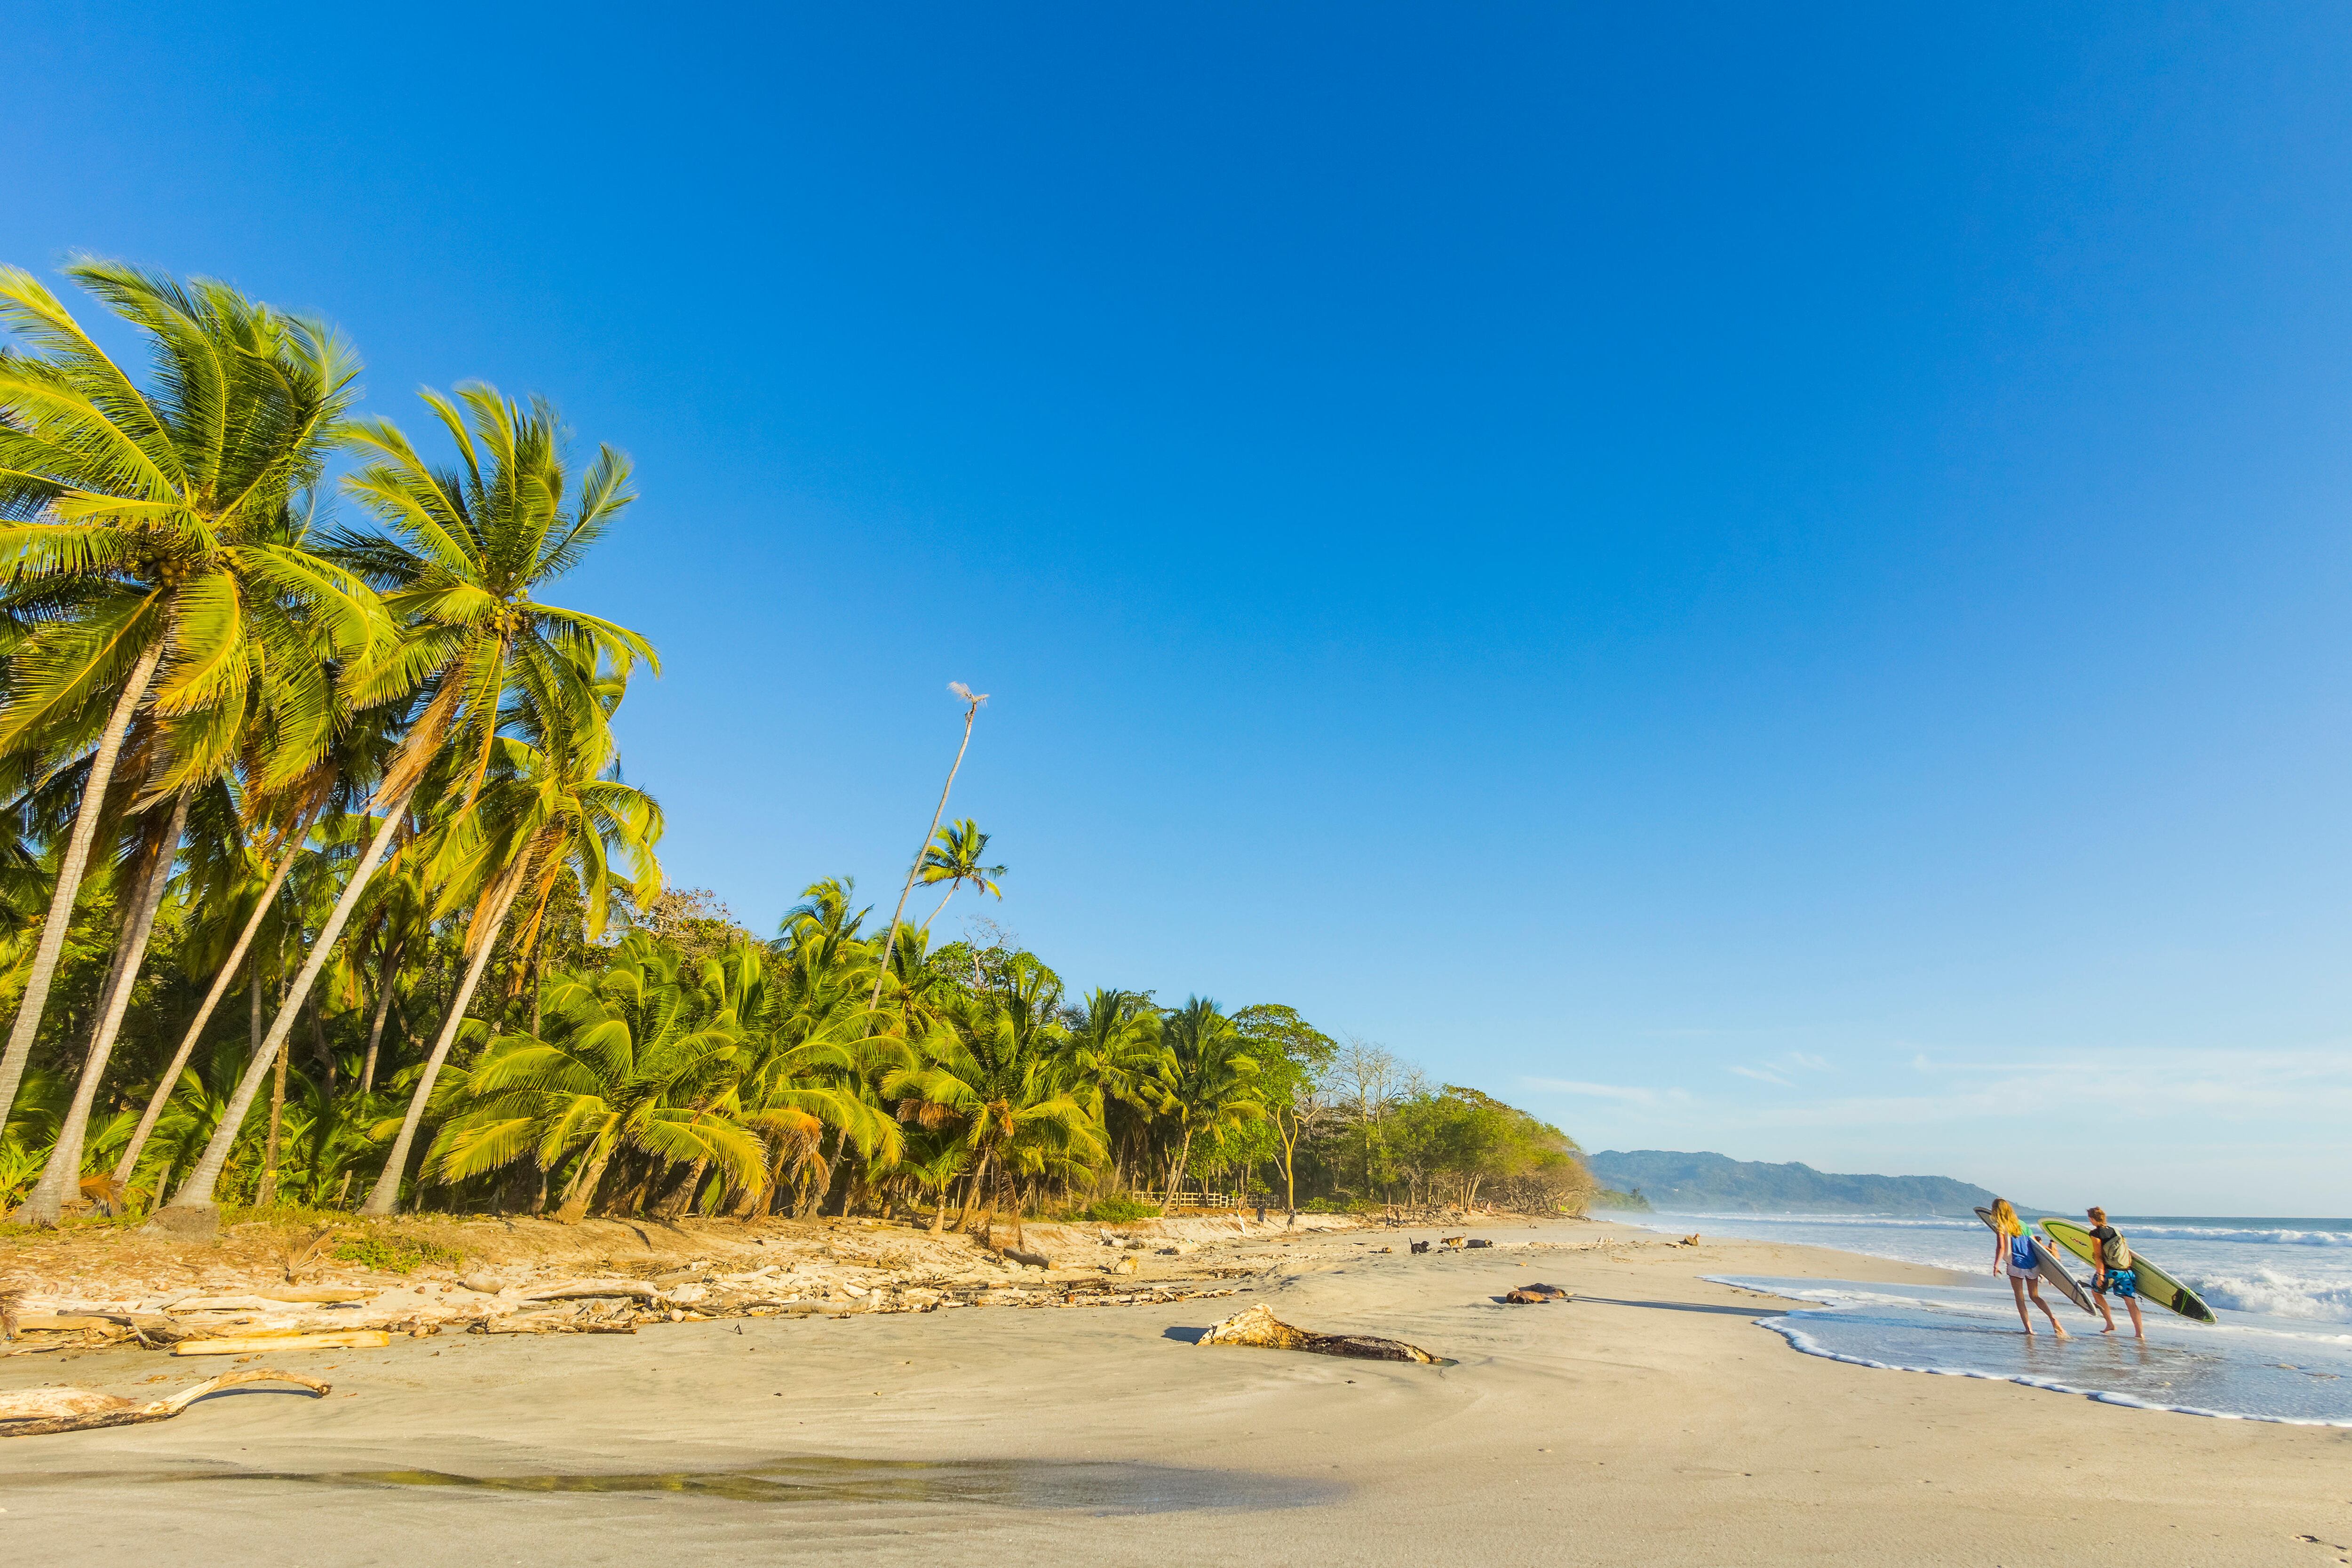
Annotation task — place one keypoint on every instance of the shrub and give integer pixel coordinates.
(393, 1254)
(1118, 1211)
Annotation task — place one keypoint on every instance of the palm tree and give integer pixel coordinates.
(971, 709)
(552, 813)
(468, 548)
(148, 562)
(1215, 1084)
(993, 1083)
(954, 859)
(631, 1064)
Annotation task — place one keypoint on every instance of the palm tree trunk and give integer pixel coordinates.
(890, 944)
(1176, 1172)
(196, 1193)
(266, 1193)
(70, 866)
(384, 982)
(162, 1095)
(939, 1214)
(943, 904)
(584, 1185)
(972, 1193)
(386, 1196)
(61, 1178)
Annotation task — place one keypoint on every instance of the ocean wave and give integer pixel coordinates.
(2248, 1237)
(2277, 1295)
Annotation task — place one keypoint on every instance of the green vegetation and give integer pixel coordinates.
(320, 892)
(393, 1254)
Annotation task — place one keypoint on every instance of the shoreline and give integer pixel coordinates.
(1647, 1420)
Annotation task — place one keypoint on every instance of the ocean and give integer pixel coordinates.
(2282, 1289)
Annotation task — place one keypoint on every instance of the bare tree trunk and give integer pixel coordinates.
(197, 1190)
(386, 1196)
(939, 1214)
(890, 944)
(162, 1095)
(266, 1194)
(70, 867)
(1176, 1172)
(61, 1178)
(972, 1193)
(385, 981)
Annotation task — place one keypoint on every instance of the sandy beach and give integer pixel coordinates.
(1648, 1420)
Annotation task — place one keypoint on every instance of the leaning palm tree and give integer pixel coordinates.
(147, 563)
(555, 812)
(467, 551)
(954, 859)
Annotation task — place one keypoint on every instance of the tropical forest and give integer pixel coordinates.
(322, 887)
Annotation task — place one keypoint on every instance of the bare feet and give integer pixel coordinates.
(2109, 1330)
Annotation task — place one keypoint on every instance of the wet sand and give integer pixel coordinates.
(1649, 1421)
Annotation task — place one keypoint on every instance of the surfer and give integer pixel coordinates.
(2014, 1259)
(2112, 1271)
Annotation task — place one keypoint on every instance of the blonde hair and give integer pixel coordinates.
(2004, 1218)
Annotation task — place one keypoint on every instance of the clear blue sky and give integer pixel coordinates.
(1753, 580)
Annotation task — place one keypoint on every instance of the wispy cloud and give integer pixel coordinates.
(1628, 1094)
(1762, 1075)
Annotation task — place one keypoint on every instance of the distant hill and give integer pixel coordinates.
(1715, 1184)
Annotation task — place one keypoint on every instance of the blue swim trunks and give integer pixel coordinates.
(2120, 1282)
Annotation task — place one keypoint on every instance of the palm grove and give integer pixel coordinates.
(324, 888)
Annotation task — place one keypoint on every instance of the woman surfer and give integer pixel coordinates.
(2014, 1259)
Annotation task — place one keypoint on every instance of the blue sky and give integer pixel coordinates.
(1760, 582)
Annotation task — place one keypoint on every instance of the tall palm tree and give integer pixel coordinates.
(971, 701)
(553, 812)
(954, 859)
(1215, 1084)
(148, 561)
(467, 550)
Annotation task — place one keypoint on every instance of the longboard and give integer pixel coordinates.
(2046, 1264)
(2155, 1285)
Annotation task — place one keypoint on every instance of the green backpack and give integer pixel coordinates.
(2114, 1253)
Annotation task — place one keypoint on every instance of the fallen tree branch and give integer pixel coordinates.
(1257, 1327)
(39, 1412)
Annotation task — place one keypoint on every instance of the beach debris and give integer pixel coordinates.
(1257, 1327)
(1124, 1266)
(1529, 1295)
(1687, 1241)
(255, 1345)
(581, 1290)
(38, 1411)
(1027, 1260)
(1420, 1247)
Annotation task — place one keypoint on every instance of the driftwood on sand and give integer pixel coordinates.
(38, 1412)
(1256, 1326)
(256, 1344)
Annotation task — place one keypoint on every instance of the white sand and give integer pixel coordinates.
(1649, 1422)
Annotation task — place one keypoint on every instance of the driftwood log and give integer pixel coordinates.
(583, 1289)
(38, 1411)
(256, 1344)
(1256, 1326)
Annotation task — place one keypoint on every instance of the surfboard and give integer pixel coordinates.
(2155, 1285)
(2046, 1264)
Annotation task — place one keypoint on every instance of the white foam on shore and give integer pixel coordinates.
(1805, 1342)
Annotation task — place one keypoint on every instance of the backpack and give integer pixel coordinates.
(2020, 1255)
(2115, 1252)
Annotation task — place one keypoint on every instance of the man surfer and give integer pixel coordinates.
(2014, 1259)
(2111, 1267)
